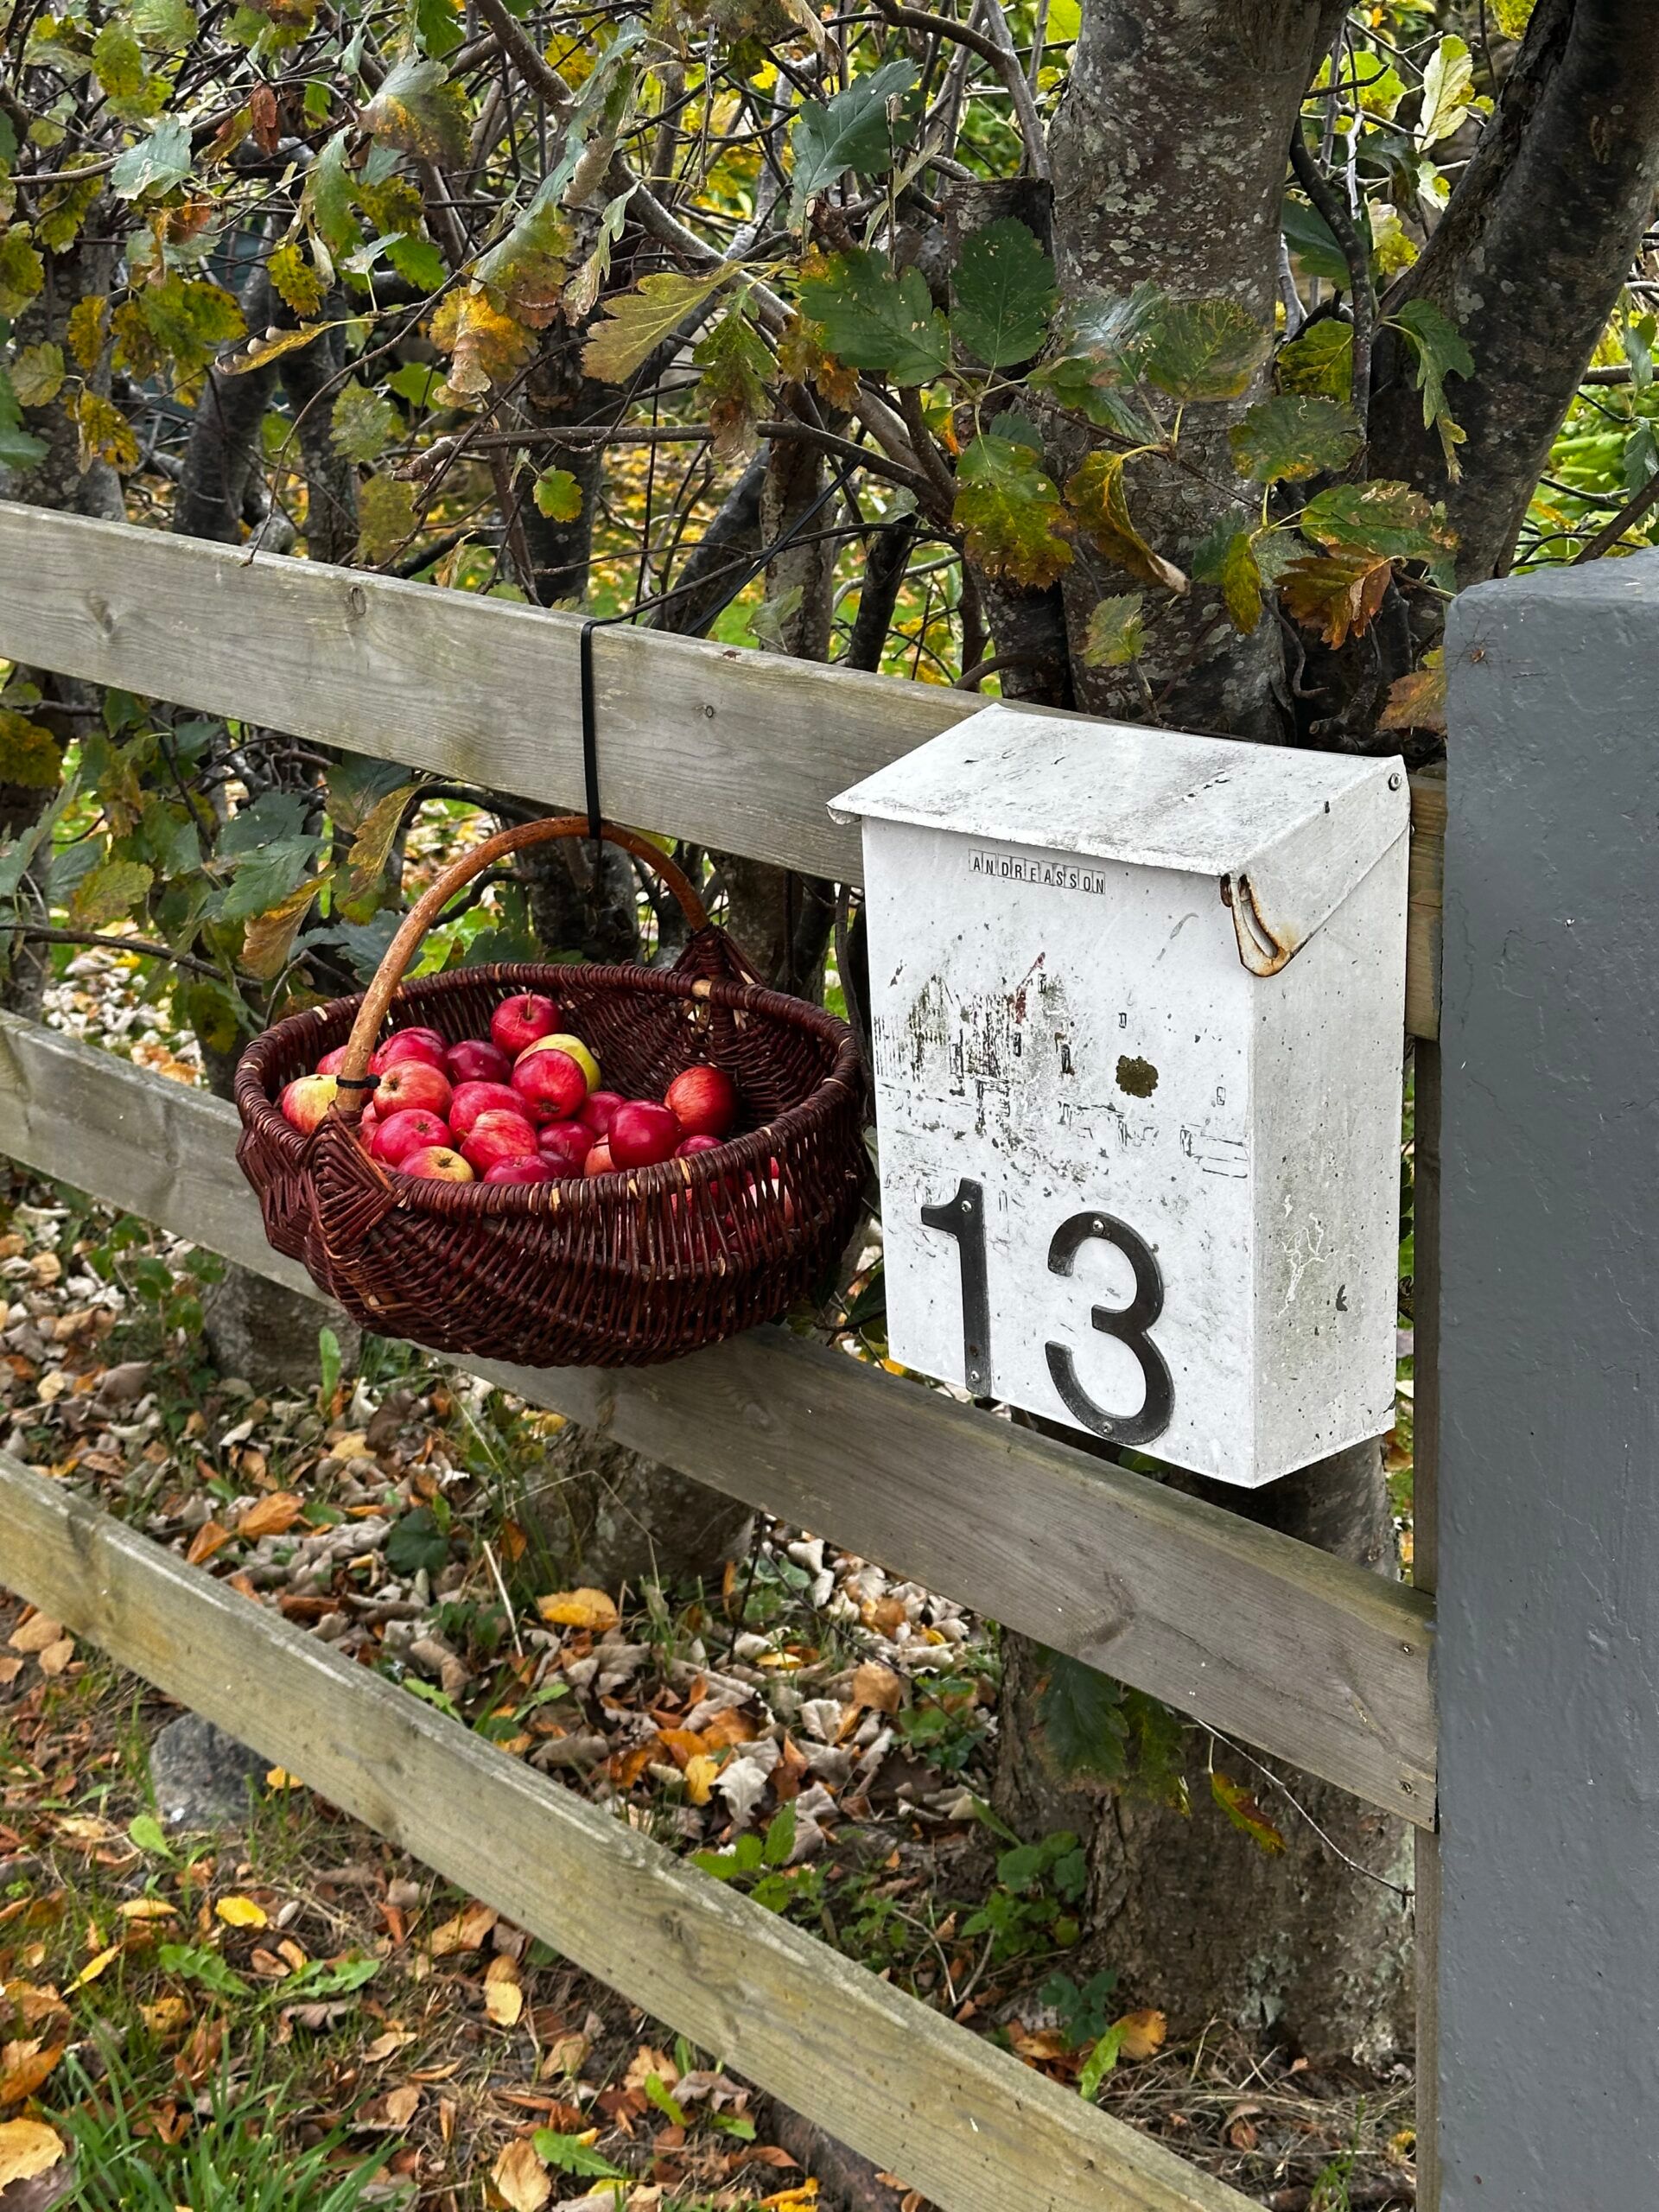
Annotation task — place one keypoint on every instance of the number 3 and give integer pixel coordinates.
(1128, 1324)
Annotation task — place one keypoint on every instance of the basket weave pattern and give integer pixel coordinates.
(616, 1270)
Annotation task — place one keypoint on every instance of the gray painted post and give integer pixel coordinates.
(1548, 2065)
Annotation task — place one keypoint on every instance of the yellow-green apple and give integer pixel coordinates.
(307, 1099)
(562, 1041)
(436, 1161)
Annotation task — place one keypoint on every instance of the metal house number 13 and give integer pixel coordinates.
(963, 1219)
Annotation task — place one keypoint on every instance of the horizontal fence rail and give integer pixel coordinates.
(962, 2121)
(739, 750)
(1302, 1655)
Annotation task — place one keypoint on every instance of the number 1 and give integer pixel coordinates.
(964, 1219)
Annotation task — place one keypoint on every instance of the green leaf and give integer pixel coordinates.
(854, 130)
(37, 374)
(1003, 294)
(1116, 633)
(736, 365)
(22, 272)
(524, 274)
(364, 423)
(110, 893)
(147, 1833)
(1095, 495)
(1010, 513)
(419, 111)
(385, 518)
(1512, 16)
(31, 759)
(1227, 557)
(1205, 349)
(1440, 351)
(329, 192)
(329, 1978)
(198, 1964)
(1448, 92)
(1100, 2062)
(872, 319)
(570, 2155)
(1096, 360)
(328, 1364)
(437, 27)
(1242, 1809)
(156, 163)
(636, 322)
(1319, 359)
(118, 61)
(191, 317)
(417, 1542)
(1081, 1732)
(1292, 435)
(1313, 242)
(780, 1845)
(557, 495)
(1383, 518)
(166, 25)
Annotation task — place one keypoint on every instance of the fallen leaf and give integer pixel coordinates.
(646, 2061)
(97, 1965)
(242, 1912)
(402, 2104)
(28, 2147)
(465, 1932)
(271, 1516)
(504, 1996)
(36, 1633)
(27, 2066)
(388, 2046)
(166, 2018)
(877, 1687)
(801, 2198)
(520, 2178)
(1141, 2034)
(579, 1609)
(148, 1909)
(56, 1656)
(212, 1536)
(700, 1773)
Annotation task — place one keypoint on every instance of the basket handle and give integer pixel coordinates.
(378, 998)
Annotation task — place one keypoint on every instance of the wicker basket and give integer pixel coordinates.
(615, 1270)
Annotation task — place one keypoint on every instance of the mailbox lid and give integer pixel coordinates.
(1287, 835)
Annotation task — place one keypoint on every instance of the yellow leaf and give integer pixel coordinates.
(278, 1777)
(877, 1687)
(271, 1516)
(1141, 2034)
(27, 2067)
(242, 1912)
(95, 1966)
(269, 345)
(28, 2147)
(402, 2104)
(699, 1772)
(520, 2178)
(488, 347)
(56, 1656)
(36, 1633)
(464, 1933)
(147, 1908)
(579, 1609)
(1096, 494)
(167, 2017)
(802, 2197)
(505, 2003)
(268, 939)
(636, 322)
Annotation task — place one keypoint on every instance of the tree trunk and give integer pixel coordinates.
(1169, 154)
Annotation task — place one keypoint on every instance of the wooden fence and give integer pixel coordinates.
(1263, 1638)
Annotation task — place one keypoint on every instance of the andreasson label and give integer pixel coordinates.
(1058, 875)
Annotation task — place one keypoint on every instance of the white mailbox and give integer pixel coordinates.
(1137, 1001)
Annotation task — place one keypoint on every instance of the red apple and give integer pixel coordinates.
(565, 1145)
(367, 1121)
(521, 1171)
(474, 1061)
(413, 1082)
(643, 1132)
(697, 1142)
(413, 1129)
(331, 1063)
(471, 1099)
(409, 1045)
(562, 1041)
(519, 1021)
(437, 1162)
(704, 1099)
(498, 1135)
(600, 1161)
(307, 1099)
(551, 1082)
(599, 1110)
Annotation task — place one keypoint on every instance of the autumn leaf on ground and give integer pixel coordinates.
(1338, 596)
(520, 2179)
(877, 1687)
(1010, 513)
(212, 1536)
(1141, 2034)
(700, 1772)
(28, 2066)
(1095, 495)
(36, 1632)
(1418, 700)
(271, 1515)
(465, 1932)
(1242, 1809)
(419, 111)
(636, 322)
(579, 1609)
(242, 1912)
(1116, 631)
(98, 1964)
(27, 2147)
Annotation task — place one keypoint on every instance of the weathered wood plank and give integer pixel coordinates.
(739, 750)
(964, 2123)
(1269, 1639)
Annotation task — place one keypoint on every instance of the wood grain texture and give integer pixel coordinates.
(967, 2125)
(1300, 1654)
(739, 750)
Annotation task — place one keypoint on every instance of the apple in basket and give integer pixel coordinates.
(565, 1145)
(522, 1171)
(306, 1100)
(643, 1133)
(562, 1041)
(471, 1099)
(551, 1083)
(600, 1109)
(703, 1100)
(697, 1142)
(412, 1129)
(413, 1082)
(436, 1162)
(519, 1021)
(409, 1045)
(600, 1161)
(332, 1062)
(474, 1060)
(498, 1135)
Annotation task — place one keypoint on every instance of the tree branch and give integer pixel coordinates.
(1330, 203)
